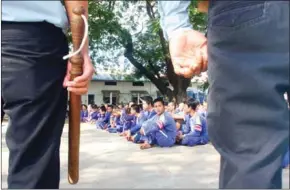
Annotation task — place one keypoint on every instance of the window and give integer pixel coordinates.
(91, 98)
(110, 83)
(106, 100)
(138, 83)
(111, 97)
(159, 94)
(136, 95)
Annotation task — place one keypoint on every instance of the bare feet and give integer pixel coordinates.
(145, 146)
(130, 138)
(128, 135)
(125, 133)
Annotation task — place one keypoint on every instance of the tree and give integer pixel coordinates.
(114, 28)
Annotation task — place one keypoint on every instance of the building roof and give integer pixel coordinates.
(111, 77)
(129, 78)
(106, 77)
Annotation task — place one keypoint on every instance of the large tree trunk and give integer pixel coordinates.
(179, 94)
(179, 83)
(161, 86)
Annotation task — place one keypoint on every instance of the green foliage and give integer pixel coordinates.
(115, 24)
(108, 33)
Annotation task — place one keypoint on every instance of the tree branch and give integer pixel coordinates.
(151, 14)
(149, 10)
(129, 55)
(153, 69)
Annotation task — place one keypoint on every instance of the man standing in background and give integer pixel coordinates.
(247, 48)
(34, 88)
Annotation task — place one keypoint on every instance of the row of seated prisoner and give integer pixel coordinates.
(155, 124)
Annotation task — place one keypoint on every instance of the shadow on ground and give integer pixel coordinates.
(108, 161)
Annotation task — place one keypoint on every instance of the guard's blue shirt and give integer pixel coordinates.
(35, 11)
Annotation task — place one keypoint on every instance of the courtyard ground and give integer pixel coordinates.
(108, 161)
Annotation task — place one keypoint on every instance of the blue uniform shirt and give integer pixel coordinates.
(94, 115)
(35, 11)
(173, 16)
(196, 126)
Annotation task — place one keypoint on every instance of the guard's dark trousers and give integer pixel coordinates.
(248, 118)
(35, 101)
(2, 111)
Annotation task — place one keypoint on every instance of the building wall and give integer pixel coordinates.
(97, 87)
(125, 88)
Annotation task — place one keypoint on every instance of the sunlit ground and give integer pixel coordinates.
(108, 161)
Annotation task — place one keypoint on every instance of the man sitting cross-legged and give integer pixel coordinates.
(147, 113)
(171, 108)
(94, 115)
(104, 121)
(160, 130)
(101, 116)
(115, 122)
(139, 118)
(126, 120)
(195, 131)
(178, 115)
(84, 113)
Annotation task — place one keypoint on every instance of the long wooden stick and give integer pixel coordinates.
(77, 30)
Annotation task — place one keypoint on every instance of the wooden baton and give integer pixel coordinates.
(77, 30)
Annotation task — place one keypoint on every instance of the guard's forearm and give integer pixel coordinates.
(70, 5)
(174, 16)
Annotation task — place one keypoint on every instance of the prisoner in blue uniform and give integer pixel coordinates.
(147, 113)
(128, 119)
(95, 114)
(137, 123)
(185, 126)
(196, 134)
(144, 116)
(106, 122)
(111, 123)
(137, 138)
(117, 125)
(195, 131)
(134, 112)
(84, 113)
(122, 117)
(104, 118)
(160, 130)
(186, 123)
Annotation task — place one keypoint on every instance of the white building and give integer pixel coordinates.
(114, 89)
(105, 88)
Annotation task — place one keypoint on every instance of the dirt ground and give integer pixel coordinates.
(108, 161)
